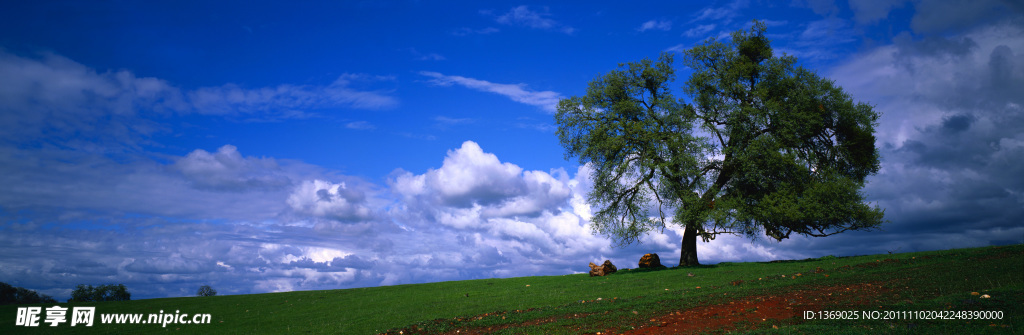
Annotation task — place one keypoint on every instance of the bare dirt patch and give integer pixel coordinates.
(747, 312)
(738, 314)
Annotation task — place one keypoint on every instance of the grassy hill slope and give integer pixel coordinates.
(774, 295)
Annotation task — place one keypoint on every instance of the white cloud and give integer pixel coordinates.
(918, 83)
(467, 176)
(774, 23)
(472, 217)
(426, 56)
(941, 98)
(192, 188)
(547, 100)
(69, 103)
(432, 56)
(360, 125)
(725, 13)
(60, 84)
(699, 31)
(331, 201)
(538, 126)
(678, 48)
(228, 170)
(827, 31)
(523, 16)
(712, 14)
(520, 213)
(58, 99)
(470, 31)
(231, 99)
(664, 25)
(451, 120)
(820, 38)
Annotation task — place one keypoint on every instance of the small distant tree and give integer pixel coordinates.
(206, 291)
(89, 293)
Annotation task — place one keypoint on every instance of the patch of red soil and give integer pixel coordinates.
(749, 311)
(737, 314)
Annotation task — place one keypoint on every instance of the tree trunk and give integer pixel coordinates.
(688, 253)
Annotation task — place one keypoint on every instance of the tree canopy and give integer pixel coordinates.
(19, 295)
(89, 293)
(764, 147)
(206, 291)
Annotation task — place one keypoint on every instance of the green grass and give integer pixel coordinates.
(571, 304)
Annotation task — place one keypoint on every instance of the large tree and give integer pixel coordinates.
(764, 147)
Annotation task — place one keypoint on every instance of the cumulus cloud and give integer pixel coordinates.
(226, 169)
(329, 200)
(951, 120)
(524, 214)
(547, 100)
(468, 176)
(471, 185)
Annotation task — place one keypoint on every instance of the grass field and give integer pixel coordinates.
(727, 297)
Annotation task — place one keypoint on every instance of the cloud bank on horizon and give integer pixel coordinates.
(437, 164)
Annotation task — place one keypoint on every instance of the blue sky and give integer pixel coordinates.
(260, 147)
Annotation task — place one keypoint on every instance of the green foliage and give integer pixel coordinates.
(17, 295)
(764, 146)
(89, 293)
(206, 291)
(639, 140)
